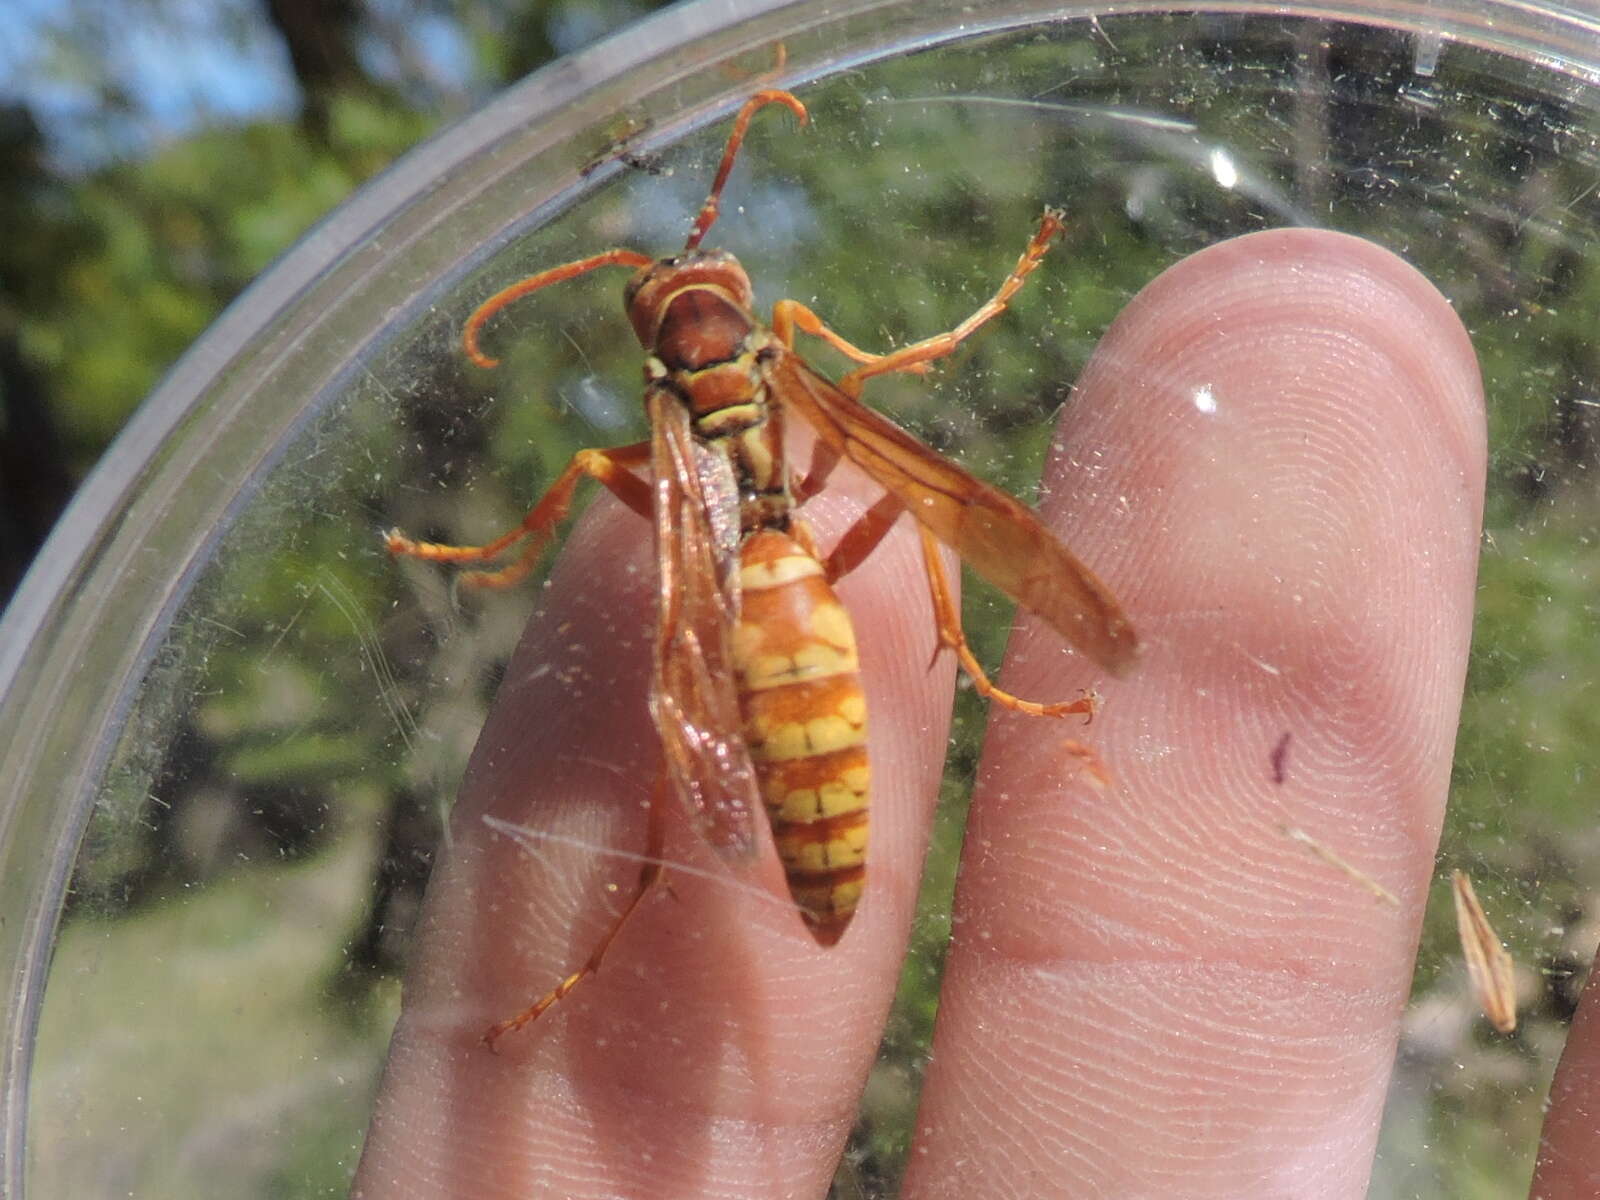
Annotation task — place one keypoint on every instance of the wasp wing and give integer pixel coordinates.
(693, 699)
(997, 534)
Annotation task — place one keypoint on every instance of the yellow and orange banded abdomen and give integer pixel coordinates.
(806, 725)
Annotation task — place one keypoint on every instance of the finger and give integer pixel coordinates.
(719, 1051)
(1277, 456)
(1569, 1149)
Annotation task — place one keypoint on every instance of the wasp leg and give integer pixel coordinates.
(789, 315)
(949, 623)
(649, 872)
(824, 458)
(862, 538)
(612, 467)
(916, 356)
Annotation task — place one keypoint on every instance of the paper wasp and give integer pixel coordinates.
(755, 694)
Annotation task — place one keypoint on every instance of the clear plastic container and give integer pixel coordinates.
(230, 725)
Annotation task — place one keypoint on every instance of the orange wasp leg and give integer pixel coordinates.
(649, 872)
(610, 467)
(862, 538)
(949, 623)
(789, 315)
(915, 356)
(824, 458)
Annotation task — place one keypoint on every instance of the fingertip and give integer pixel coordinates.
(1277, 457)
(1275, 461)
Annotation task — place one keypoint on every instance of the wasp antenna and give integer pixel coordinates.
(708, 211)
(469, 332)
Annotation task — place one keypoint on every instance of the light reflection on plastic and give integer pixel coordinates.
(1222, 168)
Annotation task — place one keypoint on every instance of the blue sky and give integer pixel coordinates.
(179, 63)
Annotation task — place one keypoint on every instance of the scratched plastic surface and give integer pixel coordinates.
(235, 726)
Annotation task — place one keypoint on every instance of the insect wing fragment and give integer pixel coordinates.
(1336, 860)
(999, 536)
(1489, 965)
(692, 698)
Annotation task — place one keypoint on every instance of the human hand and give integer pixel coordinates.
(1276, 460)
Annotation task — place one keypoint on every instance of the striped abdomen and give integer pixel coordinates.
(806, 725)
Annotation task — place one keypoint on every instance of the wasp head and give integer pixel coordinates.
(692, 308)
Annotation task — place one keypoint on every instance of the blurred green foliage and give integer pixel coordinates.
(112, 267)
